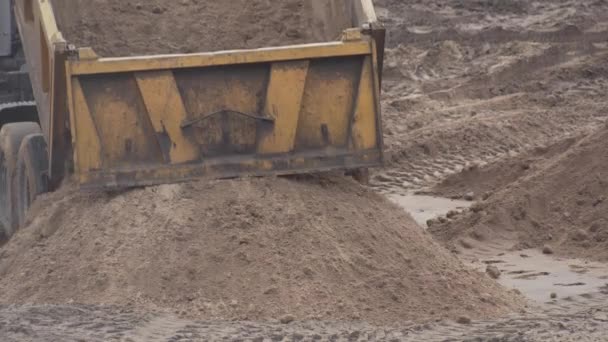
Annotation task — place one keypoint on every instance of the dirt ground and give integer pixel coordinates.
(472, 82)
(499, 103)
(94, 323)
(559, 204)
(127, 27)
(503, 103)
(484, 181)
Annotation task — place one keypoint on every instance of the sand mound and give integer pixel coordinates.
(254, 249)
(483, 181)
(129, 27)
(563, 204)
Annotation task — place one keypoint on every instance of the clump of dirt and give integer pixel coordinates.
(253, 249)
(128, 27)
(563, 205)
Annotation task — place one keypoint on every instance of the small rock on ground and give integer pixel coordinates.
(493, 272)
(287, 319)
(463, 320)
(469, 196)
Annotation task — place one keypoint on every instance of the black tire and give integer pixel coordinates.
(32, 173)
(361, 175)
(11, 136)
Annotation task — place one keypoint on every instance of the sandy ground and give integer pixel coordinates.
(471, 82)
(548, 281)
(557, 204)
(491, 88)
(89, 323)
(490, 97)
(503, 103)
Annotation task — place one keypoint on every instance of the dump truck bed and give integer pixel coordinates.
(164, 27)
(143, 120)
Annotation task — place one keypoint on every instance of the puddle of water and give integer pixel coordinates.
(534, 274)
(424, 208)
(537, 275)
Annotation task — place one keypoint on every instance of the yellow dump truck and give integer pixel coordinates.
(144, 120)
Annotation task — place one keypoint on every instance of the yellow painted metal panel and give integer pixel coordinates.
(84, 133)
(130, 64)
(285, 117)
(48, 23)
(167, 112)
(45, 51)
(377, 79)
(120, 116)
(327, 104)
(364, 129)
(210, 90)
(225, 107)
(283, 104)
(364, 12)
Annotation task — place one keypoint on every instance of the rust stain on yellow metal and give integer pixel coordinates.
(121, 121)
(250, 167)
(214, 92)
(283, 104)
(377, 85)
(166, 110)
(365, 132)
(326, 107)
(86, 139)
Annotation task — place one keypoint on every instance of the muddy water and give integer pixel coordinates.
(424, 208)
(537, 276)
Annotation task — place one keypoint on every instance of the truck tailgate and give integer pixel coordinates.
(157, 119)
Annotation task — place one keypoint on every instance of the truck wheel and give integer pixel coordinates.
(32, 173)
(11, 136)
(361, 175)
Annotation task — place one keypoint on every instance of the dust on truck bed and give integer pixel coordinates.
(132, 27)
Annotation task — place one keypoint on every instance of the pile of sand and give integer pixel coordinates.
(255, 249)
(482, 181)
(133, 27)
(561, 204)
